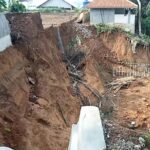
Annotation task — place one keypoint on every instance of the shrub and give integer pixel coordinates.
(146, 19)
(16, 6)
(101, 28)
(143, 39)
(3, 5)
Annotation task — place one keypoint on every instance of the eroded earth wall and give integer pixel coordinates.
(36, 105)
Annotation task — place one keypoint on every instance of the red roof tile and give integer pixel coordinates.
(112, 4)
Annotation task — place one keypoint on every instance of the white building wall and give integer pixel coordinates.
(57, 3)
(5, 42)
(108, 16)
(124, 19)
(102, 16)
(128, 21)
(5, 39)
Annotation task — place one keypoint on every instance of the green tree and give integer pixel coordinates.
(16, 6)
(146, 19)
(3, 5)
(145, 16)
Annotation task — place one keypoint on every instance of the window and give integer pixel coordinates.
(119, 11)
(126, 11)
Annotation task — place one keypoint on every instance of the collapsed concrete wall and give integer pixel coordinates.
(5, 40)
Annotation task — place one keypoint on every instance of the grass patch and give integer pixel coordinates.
(102, 28)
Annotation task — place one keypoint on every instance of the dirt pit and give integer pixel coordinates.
(47, 81)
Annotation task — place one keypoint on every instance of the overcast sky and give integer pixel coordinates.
(77, 3)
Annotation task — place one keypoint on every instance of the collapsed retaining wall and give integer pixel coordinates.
(5, 40)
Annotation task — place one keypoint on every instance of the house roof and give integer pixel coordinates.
(50, 0)
(112, 4)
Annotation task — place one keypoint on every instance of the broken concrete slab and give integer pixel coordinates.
(88, 133)
(5, 148)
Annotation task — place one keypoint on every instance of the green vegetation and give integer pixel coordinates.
(146, 137)
(74, 42)
(3, 5)
(146, 19)
(143, 39)
(145, 16)
(16, 6)
(51, 10)
(102, 28)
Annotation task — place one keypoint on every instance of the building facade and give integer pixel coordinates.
(57, 3)
(117, 12)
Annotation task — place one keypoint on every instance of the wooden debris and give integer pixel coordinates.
(120, 83)
(91, 89)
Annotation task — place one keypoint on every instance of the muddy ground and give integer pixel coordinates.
(42, 89)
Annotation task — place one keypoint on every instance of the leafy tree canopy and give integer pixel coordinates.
(16, 6)
(3, 5)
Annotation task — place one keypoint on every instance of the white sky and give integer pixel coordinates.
(73, 2)
(77, 3)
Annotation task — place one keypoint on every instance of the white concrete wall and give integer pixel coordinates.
(57, 3)
(5, 39)
(108, 16)
(88, 134)
(102, 16)
(121, 18)
(5, 42)
(5, 148)
(4, 25)
(126, 21)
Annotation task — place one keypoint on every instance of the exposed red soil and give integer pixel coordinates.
(34, 115)
(133, 104)
(121, 45)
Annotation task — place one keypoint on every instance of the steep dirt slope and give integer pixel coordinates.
(37, 108)
(122, 46)
(121, 108)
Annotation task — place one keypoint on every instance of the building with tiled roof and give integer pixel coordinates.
(118, 12)
(112, 4)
